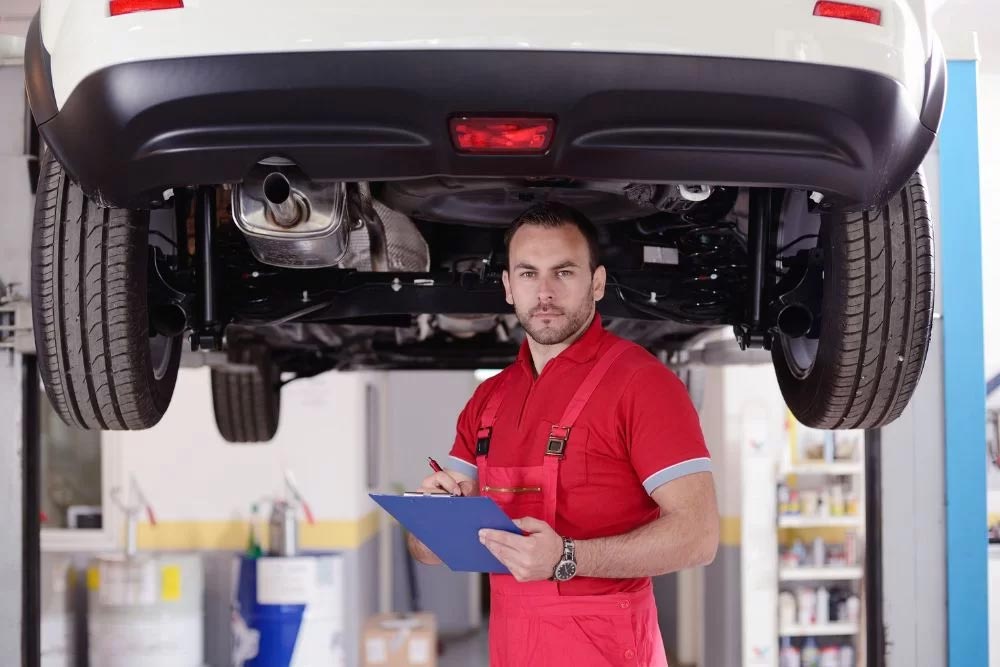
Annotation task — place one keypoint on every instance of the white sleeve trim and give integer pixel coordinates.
(464, 467)
(670, 473)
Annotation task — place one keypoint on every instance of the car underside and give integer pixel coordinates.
(301, 214)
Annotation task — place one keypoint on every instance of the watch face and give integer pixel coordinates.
(566, 570)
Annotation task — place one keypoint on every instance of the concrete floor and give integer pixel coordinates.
(470, 651)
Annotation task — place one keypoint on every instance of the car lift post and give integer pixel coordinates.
(20, 589)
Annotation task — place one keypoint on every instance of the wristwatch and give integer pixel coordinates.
(566, 567)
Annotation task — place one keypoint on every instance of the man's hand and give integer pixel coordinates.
(454, 483)
(531, 557)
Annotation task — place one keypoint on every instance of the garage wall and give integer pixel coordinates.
(421, 423)
(202, 487)
(989, 156)
(15, 191)
(194, 478)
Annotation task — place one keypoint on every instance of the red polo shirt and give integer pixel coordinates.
(638, 431)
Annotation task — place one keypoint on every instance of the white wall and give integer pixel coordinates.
(190, 473)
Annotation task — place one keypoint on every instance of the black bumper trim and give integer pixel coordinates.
(130, 131)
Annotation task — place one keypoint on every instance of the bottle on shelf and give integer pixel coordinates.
(789, 656)
(810, 653)
(822, 606)
(829, 657)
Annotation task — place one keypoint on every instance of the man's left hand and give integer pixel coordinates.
(531, 557)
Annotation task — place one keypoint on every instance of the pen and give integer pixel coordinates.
(436, 467)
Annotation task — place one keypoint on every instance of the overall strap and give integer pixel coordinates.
(559, 434)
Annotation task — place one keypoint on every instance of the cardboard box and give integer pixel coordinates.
(400, 640)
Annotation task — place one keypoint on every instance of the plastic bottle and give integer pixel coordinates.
(822, 606)
(807, 606)
(853, 609)
(847, 656)
(786, 609)
(819, 552)
(810, 654)
(829, 657)
(837, 500)
(783, 499)
(799, 550)
(789, 656)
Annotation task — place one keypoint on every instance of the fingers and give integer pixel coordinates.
(441, 481)
(509, 557)
(531, 525)
(488, 536)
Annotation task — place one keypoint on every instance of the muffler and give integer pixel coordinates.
(289, 220)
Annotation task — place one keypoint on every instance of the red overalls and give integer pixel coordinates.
(532, 623)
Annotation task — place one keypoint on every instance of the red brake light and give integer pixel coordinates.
(119, 7)
(849, 12)
(502, 135)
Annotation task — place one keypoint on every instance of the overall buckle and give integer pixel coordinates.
(483, 436)
(558, 437)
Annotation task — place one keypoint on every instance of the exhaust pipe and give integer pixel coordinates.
(795, 320)
(280, 201)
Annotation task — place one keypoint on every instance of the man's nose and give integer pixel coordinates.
(546, 289)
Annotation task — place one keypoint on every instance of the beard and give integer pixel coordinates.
(562, 327)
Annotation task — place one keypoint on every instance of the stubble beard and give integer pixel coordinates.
(556, 332)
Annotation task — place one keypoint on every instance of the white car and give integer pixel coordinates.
(322, 185)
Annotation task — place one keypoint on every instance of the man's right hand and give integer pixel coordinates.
(454, 483)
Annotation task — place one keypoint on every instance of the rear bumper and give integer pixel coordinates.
(130, 131)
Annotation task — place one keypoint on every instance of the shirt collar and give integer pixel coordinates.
(582, 350)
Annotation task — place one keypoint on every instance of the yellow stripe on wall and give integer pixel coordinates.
(234, 535)
(830, 535)
(730, 531)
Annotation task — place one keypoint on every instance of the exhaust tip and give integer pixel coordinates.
(795, 320)
(280, 202)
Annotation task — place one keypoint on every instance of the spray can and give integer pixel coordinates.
(283, 530)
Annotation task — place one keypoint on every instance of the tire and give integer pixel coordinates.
(877, 312)
(100, 368)
(247, 401)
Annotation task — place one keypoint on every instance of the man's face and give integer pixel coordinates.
(549, 282)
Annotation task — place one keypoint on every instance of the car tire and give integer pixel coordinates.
(877, 312)
(247, 401)
(100, 367)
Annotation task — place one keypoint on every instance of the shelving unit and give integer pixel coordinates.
(816, 531)
(826, 630)
(845, 468)
(798, 521)
(827, 573)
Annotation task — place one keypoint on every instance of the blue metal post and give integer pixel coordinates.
(964, 375)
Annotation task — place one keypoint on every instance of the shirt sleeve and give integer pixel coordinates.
(463, 451)
(661, 428)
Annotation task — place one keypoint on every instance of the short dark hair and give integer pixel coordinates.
(553, 214)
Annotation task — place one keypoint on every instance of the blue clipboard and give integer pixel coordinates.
(449, 526)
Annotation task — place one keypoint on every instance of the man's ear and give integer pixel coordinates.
(505, 277)
(600, 281)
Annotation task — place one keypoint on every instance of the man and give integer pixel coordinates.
(595, 450)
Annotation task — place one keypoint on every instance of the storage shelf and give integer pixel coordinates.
(797, 521)
(828, 630)
(820, 573)
(822, 468)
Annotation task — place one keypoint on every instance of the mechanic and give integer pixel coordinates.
(594, 448)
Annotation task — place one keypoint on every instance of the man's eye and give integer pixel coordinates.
(527, 274)
(565, 274)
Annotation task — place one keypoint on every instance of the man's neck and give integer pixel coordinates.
(542, 354)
